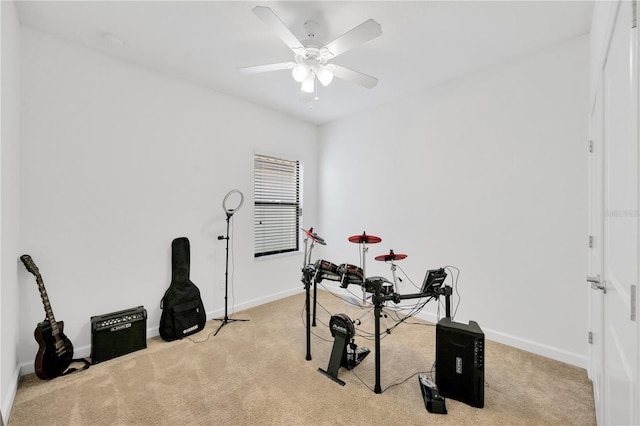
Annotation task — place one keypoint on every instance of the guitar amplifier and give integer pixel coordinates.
(460, 361)
(118, 333)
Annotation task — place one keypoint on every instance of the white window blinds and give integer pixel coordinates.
(277, 205)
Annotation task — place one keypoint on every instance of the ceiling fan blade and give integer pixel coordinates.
(364, 32)
(272, 20)
(266, 68)
(355, 77)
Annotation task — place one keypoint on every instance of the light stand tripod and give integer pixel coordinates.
(229, 213)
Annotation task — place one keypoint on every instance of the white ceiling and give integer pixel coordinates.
(424, 43)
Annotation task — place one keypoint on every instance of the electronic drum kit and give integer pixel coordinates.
(345, 352)
(341, 326)
(346, 273)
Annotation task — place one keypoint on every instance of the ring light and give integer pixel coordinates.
(226, 198)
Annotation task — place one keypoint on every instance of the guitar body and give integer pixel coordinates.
(54, 355)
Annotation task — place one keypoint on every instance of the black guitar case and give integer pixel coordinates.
(183, 313)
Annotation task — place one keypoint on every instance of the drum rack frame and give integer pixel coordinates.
(379, 299)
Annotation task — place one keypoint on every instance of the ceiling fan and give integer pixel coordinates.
(312, 62)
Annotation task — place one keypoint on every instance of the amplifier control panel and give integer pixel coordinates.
(119, 320)
(478, 353)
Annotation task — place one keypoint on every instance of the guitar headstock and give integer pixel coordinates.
(30, 264)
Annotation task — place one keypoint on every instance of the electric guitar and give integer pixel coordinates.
(55, 351)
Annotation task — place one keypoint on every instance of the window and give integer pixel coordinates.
(277, 209)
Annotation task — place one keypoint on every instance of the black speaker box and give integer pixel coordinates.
(460, 361)
(118, 333)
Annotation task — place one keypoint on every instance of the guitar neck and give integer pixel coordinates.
(31, 267)
(55, 330)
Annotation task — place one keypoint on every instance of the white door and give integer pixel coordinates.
(617, 391)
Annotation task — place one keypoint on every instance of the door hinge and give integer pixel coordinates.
(590, 146)
(591, 338)
(590, 241)
(634, 13)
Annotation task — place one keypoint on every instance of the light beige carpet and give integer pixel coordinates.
(255, 372)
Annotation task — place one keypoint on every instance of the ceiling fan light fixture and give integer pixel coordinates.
(300, 72)
(325, 74)
(309, 84)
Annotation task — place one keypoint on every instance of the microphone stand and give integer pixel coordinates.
(226, 318)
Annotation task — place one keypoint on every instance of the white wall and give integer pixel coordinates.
(487, 173)
(9, 204)
(603, 14)
(117, 162)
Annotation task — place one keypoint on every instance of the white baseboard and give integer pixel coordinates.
(85, 351)
(537, 348)
(11, 396)
(219, 313)
(524, 344)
